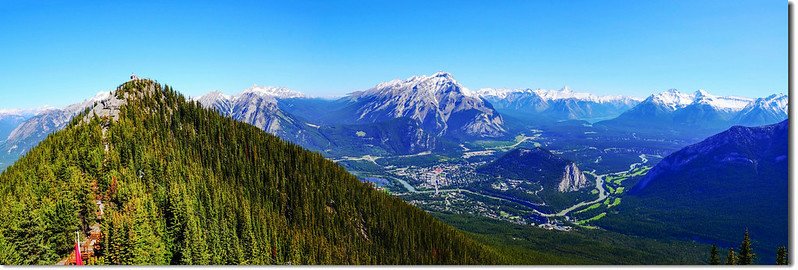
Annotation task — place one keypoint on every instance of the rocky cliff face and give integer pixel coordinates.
(107, 107)
(572, 179)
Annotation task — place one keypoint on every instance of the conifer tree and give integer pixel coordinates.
(731, 259)
(781, 256)
(747, 255)
(714, 258)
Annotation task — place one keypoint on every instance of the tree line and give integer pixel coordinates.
(746, 255)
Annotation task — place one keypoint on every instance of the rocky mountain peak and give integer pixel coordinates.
(432, 101)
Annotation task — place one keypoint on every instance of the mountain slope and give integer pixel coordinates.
(182, 184)
(10, 120)
(715, 189)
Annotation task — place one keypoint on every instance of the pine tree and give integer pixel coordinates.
(781, 256)
(731, 259)
(714, 258)
(747, 255)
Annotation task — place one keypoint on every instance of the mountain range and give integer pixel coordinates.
(554, 105)
(126, 142)
(423, 113)
(700, 110)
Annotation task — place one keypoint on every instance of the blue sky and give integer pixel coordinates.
(60, 52)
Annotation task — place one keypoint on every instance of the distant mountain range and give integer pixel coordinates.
(423, 113)
(554, 105)
(700, 110)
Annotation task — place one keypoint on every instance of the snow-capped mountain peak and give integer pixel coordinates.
(673, 99)
(276, 92)
(765, 110)
(703, 110)
(430, 100)
(435, 85)
(442, 74)
(778, 102)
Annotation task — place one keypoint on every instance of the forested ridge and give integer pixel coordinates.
(181, 184)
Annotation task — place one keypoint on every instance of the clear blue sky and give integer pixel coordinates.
(60, 52)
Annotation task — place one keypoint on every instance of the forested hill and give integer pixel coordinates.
(180, 184)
